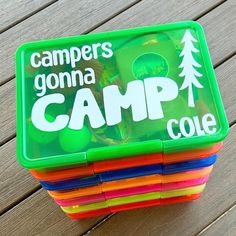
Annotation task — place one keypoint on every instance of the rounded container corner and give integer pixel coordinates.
(19, 51)
(23, 160)
(196, 25)
(222, 133)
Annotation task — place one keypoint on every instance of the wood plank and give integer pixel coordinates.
(16, 182)
(118, 22)
(185, 218)
(13, 173)
(63, 18)
(225, 225)
(14, 11)
(220, 28)
(151, 12)
(8, 111)
(39, 215)
(225, 75)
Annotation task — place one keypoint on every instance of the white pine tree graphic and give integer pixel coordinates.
(188, 64)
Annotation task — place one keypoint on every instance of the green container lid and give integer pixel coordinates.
(109, 95)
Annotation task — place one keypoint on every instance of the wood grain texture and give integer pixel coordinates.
(122, 20)
(16, 182)
(63, 18)
(225, 75)
(8, 111)
(150, 12)
(39, 215)
(225, 225)
(185, 218)
(15, 10)
(220, 28)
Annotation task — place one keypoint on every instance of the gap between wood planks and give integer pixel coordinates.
(216, 220)
(111, 17)
(27, 16)
(218, 64)
(209, 10)
(21, 199)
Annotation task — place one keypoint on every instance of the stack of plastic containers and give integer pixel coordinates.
(120, 120)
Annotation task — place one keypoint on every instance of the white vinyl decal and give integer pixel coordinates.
(188, 65)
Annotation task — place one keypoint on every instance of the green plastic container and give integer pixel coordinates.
(109, 95)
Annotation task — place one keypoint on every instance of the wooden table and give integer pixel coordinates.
(25, 208)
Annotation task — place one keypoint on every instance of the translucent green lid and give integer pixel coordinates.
(115, 94)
